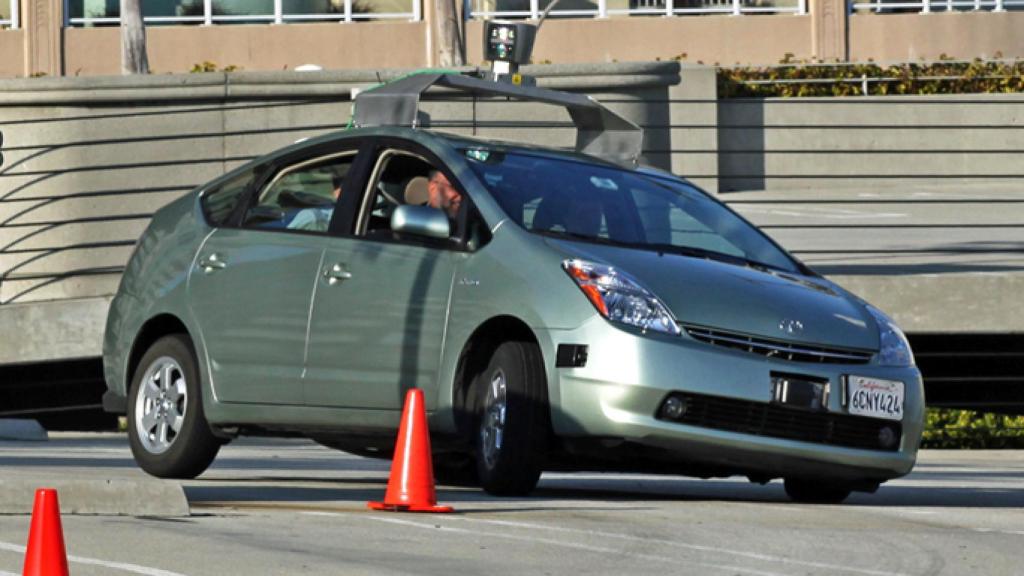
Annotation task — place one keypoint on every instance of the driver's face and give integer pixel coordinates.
(444, 196)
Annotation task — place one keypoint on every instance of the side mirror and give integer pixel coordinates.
(420, 221)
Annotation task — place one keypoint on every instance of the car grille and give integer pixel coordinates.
(772, 420)
(778, 348)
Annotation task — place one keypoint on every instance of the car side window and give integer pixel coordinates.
(399, 178)
(219, 203)
(301, 197)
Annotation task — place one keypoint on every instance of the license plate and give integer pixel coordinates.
(874, 397)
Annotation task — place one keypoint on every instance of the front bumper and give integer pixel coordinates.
(628, 375)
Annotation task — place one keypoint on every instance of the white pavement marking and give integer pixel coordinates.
(997, 531)
(2, 573)
(576, 546)
(698, 547)
(134, 568)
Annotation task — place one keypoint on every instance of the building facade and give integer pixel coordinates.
(80, 37)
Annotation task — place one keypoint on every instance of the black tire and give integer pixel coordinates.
(820, 491)
(184, 453)
(513, 466)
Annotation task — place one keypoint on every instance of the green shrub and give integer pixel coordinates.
(207, 66)
(946, 428)
(943, 77)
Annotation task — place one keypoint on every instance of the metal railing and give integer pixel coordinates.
(926, 6)
(645, 8)
(278, 16)
(14, 20)
(865, 82)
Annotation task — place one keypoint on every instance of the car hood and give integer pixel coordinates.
(715, 294)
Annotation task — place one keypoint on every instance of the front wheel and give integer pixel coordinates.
(816, 491)
(512, 413)
(167, 431)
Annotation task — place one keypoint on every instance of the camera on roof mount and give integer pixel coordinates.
(508, 45)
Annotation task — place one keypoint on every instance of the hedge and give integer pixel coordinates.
(947, 428)
(943, 77)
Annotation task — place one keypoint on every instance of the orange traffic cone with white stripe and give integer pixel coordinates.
(411, 485)
(45, 555)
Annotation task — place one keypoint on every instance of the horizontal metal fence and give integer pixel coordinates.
(926, 6)
(865, 82)
(533, 8)
(804, 161)
(351, 11)
(11, 18)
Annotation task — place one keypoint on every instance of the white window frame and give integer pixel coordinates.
(928, 6)
(15, 20)
(724, 7)
(278, 16)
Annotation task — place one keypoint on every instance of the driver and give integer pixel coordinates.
(442, 195)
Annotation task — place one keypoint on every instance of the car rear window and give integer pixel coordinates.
(219, 202)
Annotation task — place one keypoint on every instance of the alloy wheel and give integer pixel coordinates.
(160, 405)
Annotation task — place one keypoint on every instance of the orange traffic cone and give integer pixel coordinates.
(45, 555)
(411, 486)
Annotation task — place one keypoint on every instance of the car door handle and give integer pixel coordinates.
(336, 273)
(212, 263)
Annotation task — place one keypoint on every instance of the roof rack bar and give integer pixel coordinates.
(599, 131)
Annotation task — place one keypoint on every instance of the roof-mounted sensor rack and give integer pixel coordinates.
(599, 131)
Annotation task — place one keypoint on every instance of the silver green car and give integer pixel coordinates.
(559, 311)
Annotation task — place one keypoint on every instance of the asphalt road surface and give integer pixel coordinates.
(292, 507)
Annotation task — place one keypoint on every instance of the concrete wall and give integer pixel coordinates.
(885, 141)
(915, 203)
(940, 259)
(96, 51)
(88, 160)
(913, 37)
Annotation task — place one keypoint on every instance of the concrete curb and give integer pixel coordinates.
(100, 496)
(13, 429)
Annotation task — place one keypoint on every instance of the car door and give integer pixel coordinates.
(380, 309)
(252, 284)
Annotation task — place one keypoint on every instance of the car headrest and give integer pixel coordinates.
(416, 191)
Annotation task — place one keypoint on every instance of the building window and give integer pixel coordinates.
(603, 8)
(179, 12)
(9, 13)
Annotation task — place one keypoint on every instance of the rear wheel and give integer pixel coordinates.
(512, 413)
(816, 491)
(167, 431)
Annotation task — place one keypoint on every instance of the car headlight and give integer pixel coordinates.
(620, 298)
(895, 349)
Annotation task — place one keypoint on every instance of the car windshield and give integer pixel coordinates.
(601, 204)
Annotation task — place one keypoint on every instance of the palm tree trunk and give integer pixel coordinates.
(450, 37)
(133, 39)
